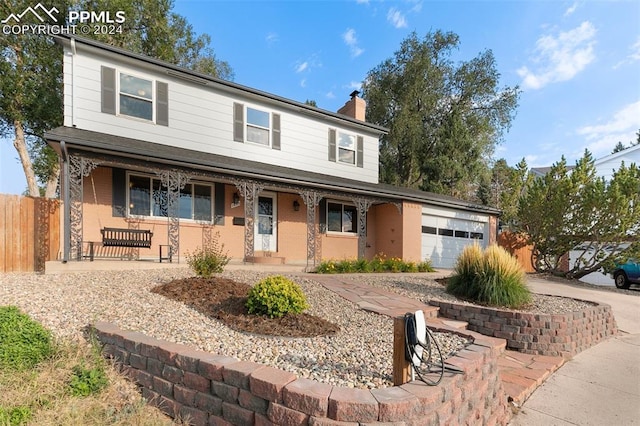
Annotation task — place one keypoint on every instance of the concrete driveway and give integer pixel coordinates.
(599, 386)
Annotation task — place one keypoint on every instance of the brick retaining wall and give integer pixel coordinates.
(211, 389)
(542, 334)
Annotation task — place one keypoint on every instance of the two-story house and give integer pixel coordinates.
(148, 145)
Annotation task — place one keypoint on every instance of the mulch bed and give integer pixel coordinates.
(225, 300)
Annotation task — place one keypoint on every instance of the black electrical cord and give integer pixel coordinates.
(428, 365)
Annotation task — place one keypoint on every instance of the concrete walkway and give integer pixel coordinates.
(599, 386)
(520, 373)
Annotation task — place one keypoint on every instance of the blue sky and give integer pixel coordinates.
(577, 63)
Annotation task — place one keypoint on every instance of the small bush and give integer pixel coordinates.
(15, 416)
(88, 381)
(209, 260)
(23, 342)
(380, 263)
(492, 277)
(276, 296)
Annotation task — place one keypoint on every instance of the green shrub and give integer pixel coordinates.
(88, 381)
(379, 263)
(15, 416)
(209, 260)
(276, 296)
(23, 342)
(492, 277)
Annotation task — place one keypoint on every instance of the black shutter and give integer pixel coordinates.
(323, 215)
(119, 192)
(238, 122)
(108, 92)
(359, 151)
(275, 118)
(332, 145)
(162, 104)
(218, 204)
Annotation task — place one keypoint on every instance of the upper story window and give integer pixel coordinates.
(136, 97)
(147, 197)
(256, 126)
(132, 96)
(346, 148)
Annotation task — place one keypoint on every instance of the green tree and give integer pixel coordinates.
(30, 96)
(31, 73)
(577, 211)
(444, 119)
(503, 187)
(619, 147)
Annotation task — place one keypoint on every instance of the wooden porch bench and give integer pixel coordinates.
(123, 237)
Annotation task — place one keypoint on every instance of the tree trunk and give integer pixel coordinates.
(21, 146)
(51, 190)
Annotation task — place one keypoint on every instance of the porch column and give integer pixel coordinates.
(362, 204)
(249, 190)
(79, 168)
(311, 200)
(174, 181)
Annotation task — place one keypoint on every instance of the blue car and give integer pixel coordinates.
(626, 274)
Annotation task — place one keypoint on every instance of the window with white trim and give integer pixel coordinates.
(258, 126)
(147, 197)
(136, 97)
(346, 148)
(342, 218)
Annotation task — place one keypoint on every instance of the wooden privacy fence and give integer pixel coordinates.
(517, 246)
(29, 232)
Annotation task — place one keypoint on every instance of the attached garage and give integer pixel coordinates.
(445, 233)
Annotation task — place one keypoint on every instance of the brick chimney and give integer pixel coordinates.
(355, 107)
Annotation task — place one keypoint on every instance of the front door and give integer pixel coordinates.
(266, 231)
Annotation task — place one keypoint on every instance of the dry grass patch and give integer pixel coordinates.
(43, 395)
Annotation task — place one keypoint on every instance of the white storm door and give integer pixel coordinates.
(266, 223)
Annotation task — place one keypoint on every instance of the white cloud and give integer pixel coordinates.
(635, 51)
(271, 38)
(362, 1)
(560, 58)
(354, 85)
(632, 57)
(622, 127)
(303, 82)
(330, 95)
(351, 40)
(396, 18)
(301, 67)
(571, 9)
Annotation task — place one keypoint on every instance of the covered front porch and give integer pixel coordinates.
(261, 213)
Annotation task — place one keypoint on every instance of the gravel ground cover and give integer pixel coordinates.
(359, 355)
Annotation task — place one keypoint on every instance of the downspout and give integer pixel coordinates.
(66, 226)
(73, 82)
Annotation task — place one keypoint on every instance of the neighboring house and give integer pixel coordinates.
(605, 166)
(148, 145)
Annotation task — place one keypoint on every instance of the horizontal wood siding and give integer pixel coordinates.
(201, 119)
(29, 232)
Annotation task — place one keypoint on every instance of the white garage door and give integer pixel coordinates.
(444, 238)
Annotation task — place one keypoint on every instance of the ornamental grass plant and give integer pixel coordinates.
(491, 277)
